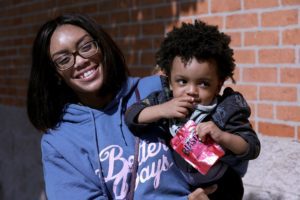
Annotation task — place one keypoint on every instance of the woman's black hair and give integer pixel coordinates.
(201, 41)
(46, 97)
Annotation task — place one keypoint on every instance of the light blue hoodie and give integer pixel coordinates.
(89, 155)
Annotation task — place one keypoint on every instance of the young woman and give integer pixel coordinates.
(78, 92)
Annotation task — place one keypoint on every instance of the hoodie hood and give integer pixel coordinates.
(76, 113)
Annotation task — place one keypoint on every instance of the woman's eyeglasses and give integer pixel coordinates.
(66, 61)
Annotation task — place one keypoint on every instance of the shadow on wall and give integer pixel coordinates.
(20, 165)
(139, 35)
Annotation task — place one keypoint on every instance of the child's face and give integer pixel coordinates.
(199, 80)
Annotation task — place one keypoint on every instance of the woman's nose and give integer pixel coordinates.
(79, 61)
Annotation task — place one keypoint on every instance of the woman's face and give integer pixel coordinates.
(85, 77)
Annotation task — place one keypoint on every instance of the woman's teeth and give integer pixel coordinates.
(87, 74)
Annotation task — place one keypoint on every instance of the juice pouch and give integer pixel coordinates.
(202, 156)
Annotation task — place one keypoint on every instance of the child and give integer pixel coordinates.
(197, 60)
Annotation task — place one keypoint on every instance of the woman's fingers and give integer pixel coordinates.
(210, 189)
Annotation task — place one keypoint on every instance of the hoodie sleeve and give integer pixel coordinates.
(64, 181)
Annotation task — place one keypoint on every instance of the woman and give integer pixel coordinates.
(78, 92)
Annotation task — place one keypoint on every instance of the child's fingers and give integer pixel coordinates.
(201, 132)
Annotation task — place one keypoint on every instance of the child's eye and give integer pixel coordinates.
(181, 81)
(204, 84)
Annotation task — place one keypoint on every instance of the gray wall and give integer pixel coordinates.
(20, 163)
(275, 174)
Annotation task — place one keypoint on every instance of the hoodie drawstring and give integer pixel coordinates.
(102, 181)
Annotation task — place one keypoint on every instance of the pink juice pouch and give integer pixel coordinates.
(202, 156)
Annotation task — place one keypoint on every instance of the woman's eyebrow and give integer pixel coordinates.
(82, 38)
(77, 43)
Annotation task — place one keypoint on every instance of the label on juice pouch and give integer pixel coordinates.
(201, 155)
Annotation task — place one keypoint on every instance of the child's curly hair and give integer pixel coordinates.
(199, 40)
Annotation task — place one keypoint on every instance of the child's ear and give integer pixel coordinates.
(221, 83)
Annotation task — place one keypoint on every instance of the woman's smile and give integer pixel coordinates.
(88, 73)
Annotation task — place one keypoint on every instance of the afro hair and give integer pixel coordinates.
(201, 41)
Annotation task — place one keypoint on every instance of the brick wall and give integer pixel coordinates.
(265, 37)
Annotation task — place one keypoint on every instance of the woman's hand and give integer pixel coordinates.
(201, 193)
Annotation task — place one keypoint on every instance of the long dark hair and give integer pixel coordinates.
(46, 98)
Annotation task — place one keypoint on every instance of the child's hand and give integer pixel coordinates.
(209, 128)
(178, 107)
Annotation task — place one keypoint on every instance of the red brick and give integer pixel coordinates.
(131, 58)
(142, 44)
(248, 91)
(254, 125)
(288, 113)
(225, 5)
(250, 4)
(8, 52)
(185, 20)
(242, 21)
(291, 37)
(278, 93)
(290, 2)
(253, 111)
(88, 8)
(276, 56)
(201, 7)
(236, 74)
(279, 18)
(267, 75)
(101, 18)
(271, 129)
(244, 56)
(265, 111)
(141, 72)
(143, 14)
(153, 2)
(262, 38)
(236, 39)
(148, 58)
(193, 8)
(164, 12)
(132, 30)
(152, 29)
(290, 75)
(118, 17)
(215, 20)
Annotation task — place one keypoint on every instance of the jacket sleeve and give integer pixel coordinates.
(239, 125)
(134, 110)
(232, 115)
(156, 97)
(64, 181)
